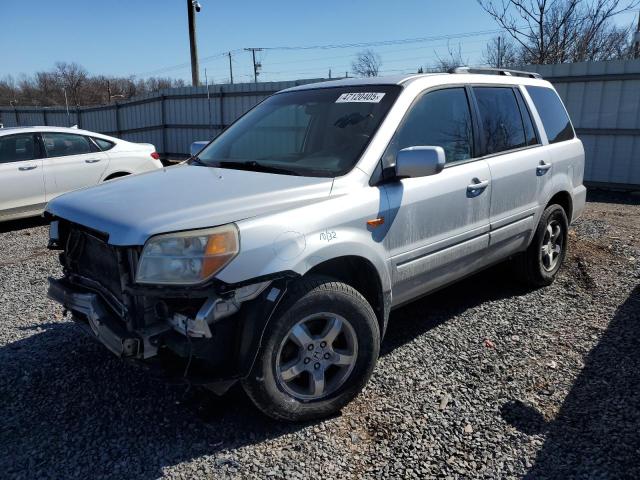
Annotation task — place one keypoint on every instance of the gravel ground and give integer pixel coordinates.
(483, 379)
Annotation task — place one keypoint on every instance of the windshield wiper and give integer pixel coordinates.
(195, 160)
(254, 166)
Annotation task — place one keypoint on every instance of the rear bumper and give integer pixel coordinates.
(579, 202)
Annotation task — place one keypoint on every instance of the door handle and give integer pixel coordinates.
(92, 160)
(477, 186)
(542, 168)
(28, 167)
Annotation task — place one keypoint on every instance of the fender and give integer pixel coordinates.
(318, 232)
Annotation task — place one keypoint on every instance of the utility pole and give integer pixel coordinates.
(66, 102)
(192, 6)
(230, 68)
(256, 66)
(636, 48)
(206, 81)
(499, 59)
(15, 110)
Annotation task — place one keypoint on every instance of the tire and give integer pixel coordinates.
(533, 266)
(113, 176)
(293, 394)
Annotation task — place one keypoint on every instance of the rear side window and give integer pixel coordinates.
(529, 131)
(552, 113)
(501, 122)
(18, 148)
(103, 144)
(64, 144)
(439, 119)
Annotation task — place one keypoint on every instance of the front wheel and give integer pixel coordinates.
(539, 264)
(318, 353)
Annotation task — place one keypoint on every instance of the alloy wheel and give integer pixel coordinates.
(316, 356)
(552, 244)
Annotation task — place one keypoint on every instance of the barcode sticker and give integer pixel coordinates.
(366, 97)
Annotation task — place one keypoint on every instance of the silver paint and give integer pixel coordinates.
(436, 228)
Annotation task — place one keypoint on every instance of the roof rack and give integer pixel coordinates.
(495, 71)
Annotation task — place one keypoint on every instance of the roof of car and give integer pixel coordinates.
(44, 128)
(462, 76)
(354, 82)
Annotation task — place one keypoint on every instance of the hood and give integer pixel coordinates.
(183, 197)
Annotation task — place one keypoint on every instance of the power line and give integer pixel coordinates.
(387, 42)
(332, 46)
(333, 57)
(335, 46)
(181, 66)
(322, 68)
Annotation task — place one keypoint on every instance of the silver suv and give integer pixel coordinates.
(274, 256)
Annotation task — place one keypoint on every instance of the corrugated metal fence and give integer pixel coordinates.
(603, 99)
(171, 119)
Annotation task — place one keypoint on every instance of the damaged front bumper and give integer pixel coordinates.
(100, 322)
(216, 343)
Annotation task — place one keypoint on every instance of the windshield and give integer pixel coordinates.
(320, 132)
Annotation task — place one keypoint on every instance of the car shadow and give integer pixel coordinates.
(595, 434)
(22, 224)
(610, 196)
(418, 317)
(70, 409)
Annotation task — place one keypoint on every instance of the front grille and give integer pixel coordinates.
(93, 258)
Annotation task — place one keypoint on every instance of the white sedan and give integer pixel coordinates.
(40, 163)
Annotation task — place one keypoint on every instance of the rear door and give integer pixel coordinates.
(21, 175)
(564, 151)
(438, 225)
(72, 161)
(512, 150)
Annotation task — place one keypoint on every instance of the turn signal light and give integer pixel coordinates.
(375, 222)
(220, 249)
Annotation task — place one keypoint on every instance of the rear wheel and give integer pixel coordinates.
(318, 352)
(539, 264)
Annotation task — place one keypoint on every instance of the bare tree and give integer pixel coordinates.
(501, 53)
(9, 91)
(72, 77)
(366, 64)
(453, 59)
(559, 31)
(47, 88)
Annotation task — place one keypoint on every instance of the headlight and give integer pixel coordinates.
(187, 257)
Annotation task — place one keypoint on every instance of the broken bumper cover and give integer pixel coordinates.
(223, 351)
(100, 322)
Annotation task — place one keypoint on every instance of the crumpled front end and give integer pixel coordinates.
(207, 333)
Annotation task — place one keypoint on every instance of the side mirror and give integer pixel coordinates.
(419, 161)
(196, 147)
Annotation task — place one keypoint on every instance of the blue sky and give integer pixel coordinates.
(145, 37)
